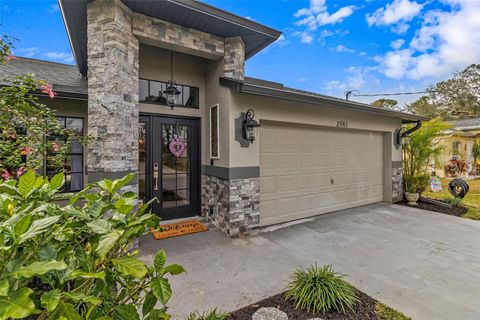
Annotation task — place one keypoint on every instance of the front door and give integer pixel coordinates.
(169, 165)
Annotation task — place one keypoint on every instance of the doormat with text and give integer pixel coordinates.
(178, 229)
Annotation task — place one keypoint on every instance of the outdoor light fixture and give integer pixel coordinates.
(249, 126)
(171, 92)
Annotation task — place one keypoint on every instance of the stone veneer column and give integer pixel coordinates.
(397, 181)
(234, 59)
(233, 205)
(112, 91)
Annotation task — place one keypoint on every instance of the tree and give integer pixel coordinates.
(454, 98)
(385, 104)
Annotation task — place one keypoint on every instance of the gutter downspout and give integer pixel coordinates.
(399, 134)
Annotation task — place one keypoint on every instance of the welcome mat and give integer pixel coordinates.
(178, 229)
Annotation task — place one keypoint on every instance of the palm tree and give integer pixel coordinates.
(475, 155)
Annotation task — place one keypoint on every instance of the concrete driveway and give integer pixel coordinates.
(425, 264)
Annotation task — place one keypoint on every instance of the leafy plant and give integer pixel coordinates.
(457, 202)
(421, 150)
(320, 289)
(208, 315)
(25, 122)
(416, 184)
(384, 312)
(456, 167)
(75, 262)
(475, 155)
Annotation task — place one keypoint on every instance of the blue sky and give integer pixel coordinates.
(327, 46)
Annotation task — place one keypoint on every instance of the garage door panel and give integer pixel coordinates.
(305, 160)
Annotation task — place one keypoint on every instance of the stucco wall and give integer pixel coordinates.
(271, 109)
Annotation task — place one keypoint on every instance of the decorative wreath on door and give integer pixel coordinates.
(177, 146)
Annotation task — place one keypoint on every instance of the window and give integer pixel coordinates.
(74, 159)
(152, 92)
(456, 150)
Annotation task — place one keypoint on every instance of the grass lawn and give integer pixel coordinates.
(471, 200)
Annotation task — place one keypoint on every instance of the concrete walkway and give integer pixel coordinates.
(425, 264)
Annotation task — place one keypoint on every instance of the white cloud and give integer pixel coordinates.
(447, 41)
(303, 79)
(396, 13)
(317, 15)
(334, 85)
(60, 56)
(342, 48)
(304, 36)
(27, 52)
(54, 8)
(397, 44)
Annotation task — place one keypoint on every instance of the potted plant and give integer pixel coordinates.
(414, 187)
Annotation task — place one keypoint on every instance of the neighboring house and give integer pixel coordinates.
(312, 153)
(458, 143)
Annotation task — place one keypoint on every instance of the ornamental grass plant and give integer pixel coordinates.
(320, 290)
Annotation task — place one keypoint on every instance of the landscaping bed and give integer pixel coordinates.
(457, 211)
(366, 308)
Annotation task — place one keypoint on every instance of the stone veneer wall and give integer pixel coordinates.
(233, 205)
(234, 61)
(167, 34)
(112, 90)
(397, 181)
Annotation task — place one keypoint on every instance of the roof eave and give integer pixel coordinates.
(308, 98)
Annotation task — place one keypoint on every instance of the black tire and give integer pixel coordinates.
(458, 188)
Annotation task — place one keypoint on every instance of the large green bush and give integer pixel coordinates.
(320, 289)
(76, 261)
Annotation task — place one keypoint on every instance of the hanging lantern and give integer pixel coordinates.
(171, 92)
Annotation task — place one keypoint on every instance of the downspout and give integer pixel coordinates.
(399, 134)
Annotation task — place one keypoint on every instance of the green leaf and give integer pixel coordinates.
(100, 226)
(50, 299)
(18, 305)
(37, 227)
(78, 296)
(22, 224)
(57, 181)
(159, 261)
(149, 303)
(10, 190)
(86, 275)
(161, 289)
(66, 311)
(124, 206)
(159, 315)
(129, 266)
(120, 183)
(4, 286)
(173, 269)
(26, 182)
(107, 242)
(125, 312)
(47, 252)
(38, 268)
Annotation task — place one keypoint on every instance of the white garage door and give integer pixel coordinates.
(307, 171)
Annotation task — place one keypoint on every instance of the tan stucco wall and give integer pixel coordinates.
(272, 109)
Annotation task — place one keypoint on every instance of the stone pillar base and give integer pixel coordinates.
(233, 205)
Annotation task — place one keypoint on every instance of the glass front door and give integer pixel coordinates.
(169, 166)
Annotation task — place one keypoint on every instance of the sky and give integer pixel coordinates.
(326, 46)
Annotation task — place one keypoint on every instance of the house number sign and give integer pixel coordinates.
(342, 124)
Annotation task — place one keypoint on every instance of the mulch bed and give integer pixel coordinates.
(454, 211)
(364, 309)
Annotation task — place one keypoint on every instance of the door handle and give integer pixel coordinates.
(155, 176)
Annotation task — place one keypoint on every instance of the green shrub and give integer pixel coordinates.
(457, 202)
(416, 184)
(75, 262)
(386, 313)
(208, 315)
(320, 289)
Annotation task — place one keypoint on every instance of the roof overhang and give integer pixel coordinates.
(321, 100)
(188, 13)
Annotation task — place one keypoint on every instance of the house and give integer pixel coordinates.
(458, 143)
(204, 154)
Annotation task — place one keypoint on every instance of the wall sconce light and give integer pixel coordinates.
(249, 126)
